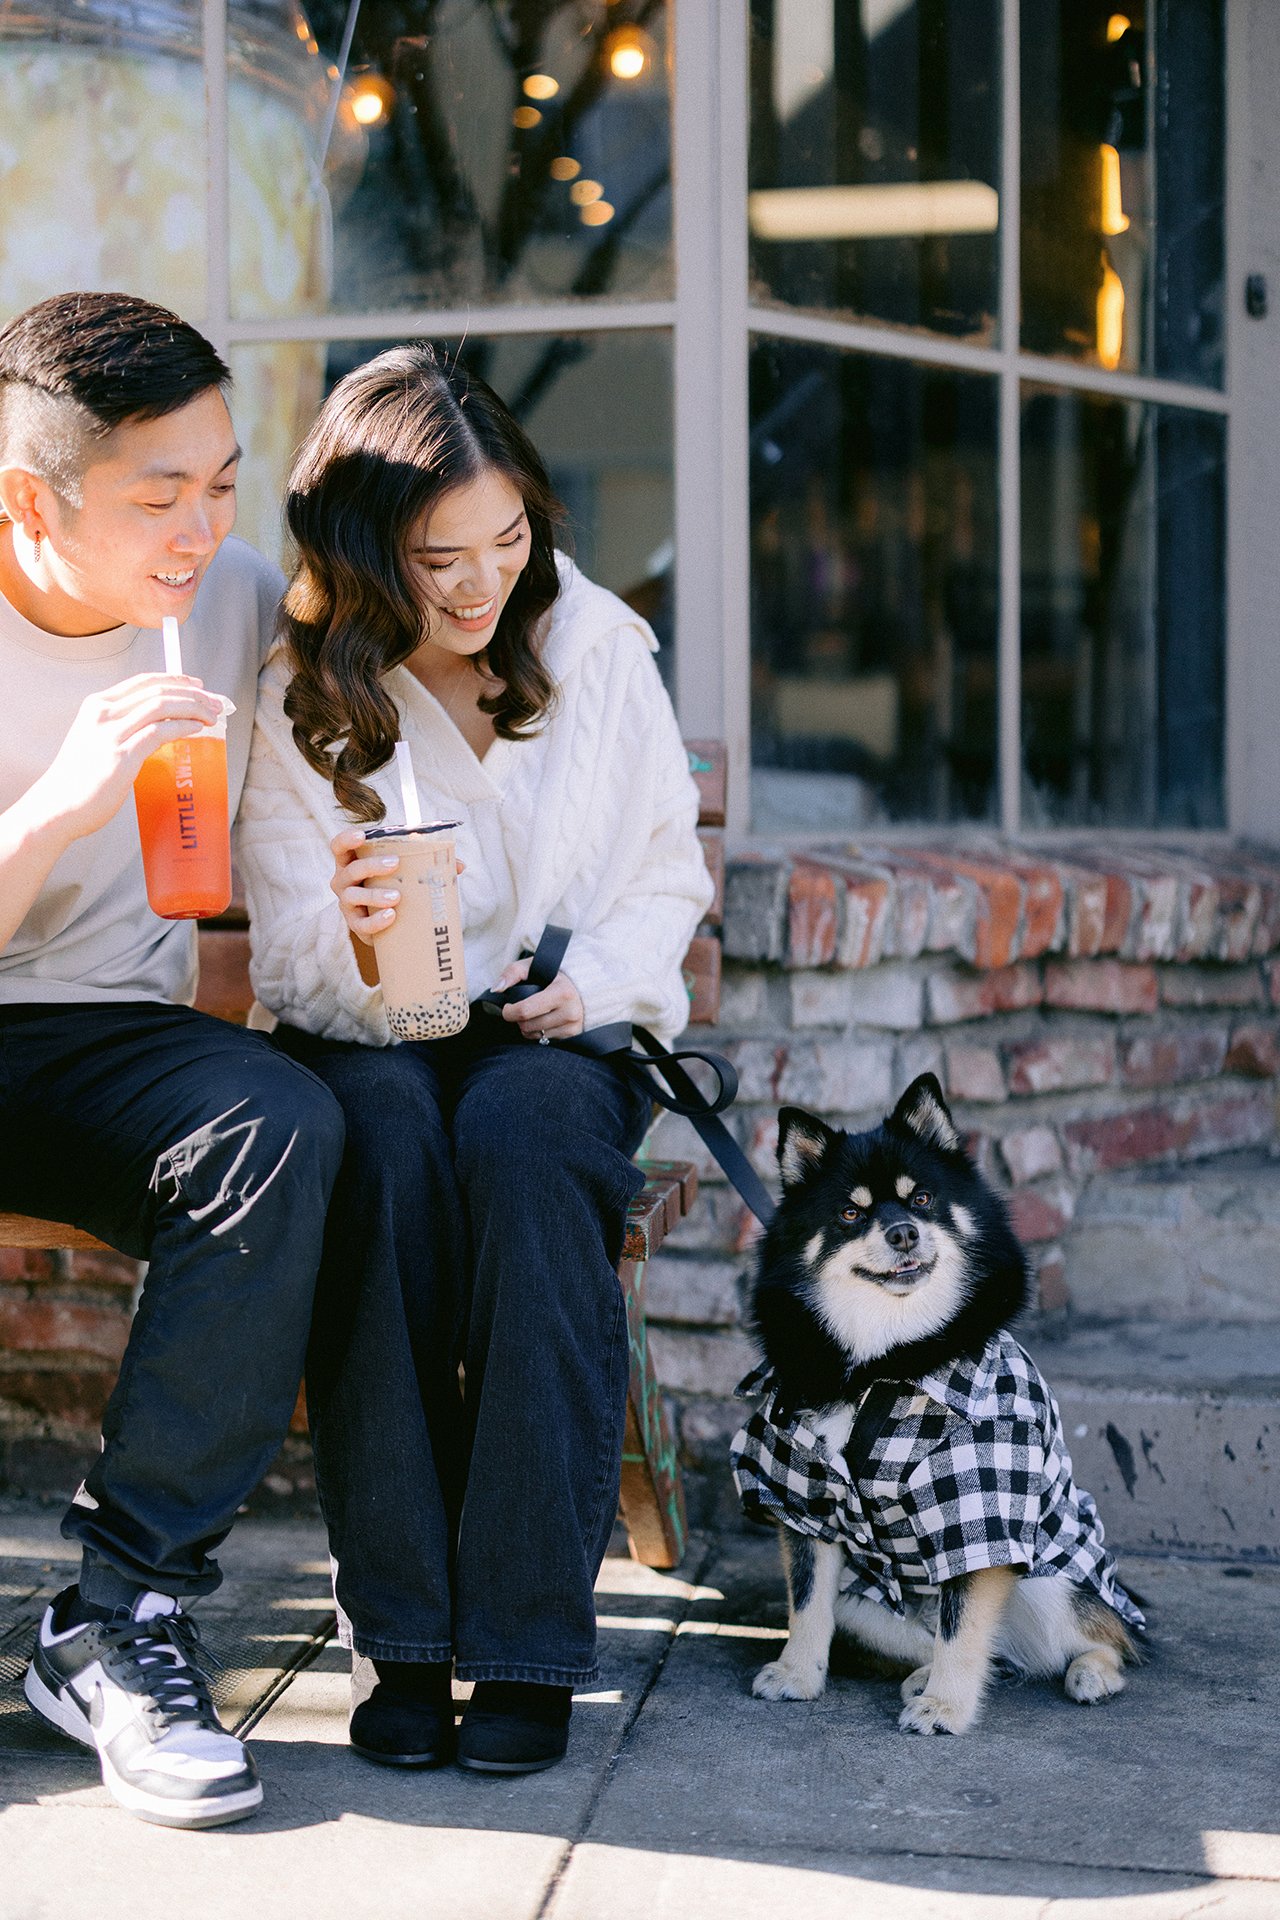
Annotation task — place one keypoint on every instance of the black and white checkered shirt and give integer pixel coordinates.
(962, 1469)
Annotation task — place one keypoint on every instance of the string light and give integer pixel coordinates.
(1114, 218)
(1110, 319)
(526, 117)
(583, 192)
(372, 99)
(598, 214)
(627, 51)
(564, 168)
(1117, 27)
(540, 86)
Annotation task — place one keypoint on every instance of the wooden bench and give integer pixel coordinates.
(652, 1498)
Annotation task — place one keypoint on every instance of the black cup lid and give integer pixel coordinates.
(401, 833)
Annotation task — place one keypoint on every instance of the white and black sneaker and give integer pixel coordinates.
(135, 1689)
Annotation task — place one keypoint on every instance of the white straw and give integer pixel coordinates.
(408, 786)
(172, 645)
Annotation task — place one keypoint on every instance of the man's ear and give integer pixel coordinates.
(802, 1141)
(923, 1111)
(24, 499)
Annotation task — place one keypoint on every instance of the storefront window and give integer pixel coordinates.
(1122, 184)
(1122, 613)
(897, 313)
(905, 667)
(875, 139)
(473, 151)
(874, 588)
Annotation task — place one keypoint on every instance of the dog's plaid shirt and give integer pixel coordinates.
(962, 1469)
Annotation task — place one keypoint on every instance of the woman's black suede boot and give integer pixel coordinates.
(402, 1711)
(511, 1726)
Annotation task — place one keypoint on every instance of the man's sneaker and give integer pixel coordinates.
(136, 1691)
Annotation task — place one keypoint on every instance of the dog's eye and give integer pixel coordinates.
(851, 1215)
(921, 1199)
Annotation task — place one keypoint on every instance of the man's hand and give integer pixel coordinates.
(89, 779)
(557, 1012)
(112, 734)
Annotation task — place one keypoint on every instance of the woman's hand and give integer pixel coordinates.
(556, 1013)
(365, 884)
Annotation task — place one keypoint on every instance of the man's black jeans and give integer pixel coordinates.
(478, 1217)
(196, 1146)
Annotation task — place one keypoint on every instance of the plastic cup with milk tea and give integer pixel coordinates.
(420, 960)
(180, 794)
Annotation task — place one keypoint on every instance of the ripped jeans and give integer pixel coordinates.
(194, 1145)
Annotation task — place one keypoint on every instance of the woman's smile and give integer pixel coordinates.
(474, 618)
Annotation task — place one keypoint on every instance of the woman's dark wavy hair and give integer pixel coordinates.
(390, 441)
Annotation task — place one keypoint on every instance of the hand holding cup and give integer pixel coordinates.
(366, 884)
(113, 732)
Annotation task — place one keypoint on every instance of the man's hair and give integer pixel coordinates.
(76, 367)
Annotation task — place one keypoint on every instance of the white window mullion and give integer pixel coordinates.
(442, 323)
(1009, 631)
(217, 318)
(711, 452)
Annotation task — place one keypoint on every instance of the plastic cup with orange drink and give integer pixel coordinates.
(181, 798)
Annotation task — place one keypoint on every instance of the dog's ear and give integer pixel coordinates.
(923, 1111)
(802, 1141)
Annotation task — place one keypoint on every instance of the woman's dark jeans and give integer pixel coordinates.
(478, 1218)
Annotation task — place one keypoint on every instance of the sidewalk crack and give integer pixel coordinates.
(679, 1614)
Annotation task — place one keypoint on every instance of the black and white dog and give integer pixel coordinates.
(907, 1446)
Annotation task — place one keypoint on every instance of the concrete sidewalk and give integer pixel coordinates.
(682, 1798)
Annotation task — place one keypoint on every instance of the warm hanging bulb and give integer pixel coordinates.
(628, 52)
(371, 99)
(1110, 319)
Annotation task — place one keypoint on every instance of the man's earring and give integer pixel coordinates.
(37, 548)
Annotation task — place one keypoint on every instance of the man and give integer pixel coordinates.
(175, 1137)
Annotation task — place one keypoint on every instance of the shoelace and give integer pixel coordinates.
(163, 1660)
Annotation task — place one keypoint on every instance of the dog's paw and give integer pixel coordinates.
(915, 1684)
(1094, 1676)
(931, 1714)
(781, 1680)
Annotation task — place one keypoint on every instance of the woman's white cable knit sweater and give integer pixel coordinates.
(590, 825)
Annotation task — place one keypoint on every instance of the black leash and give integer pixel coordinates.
(657, 1069)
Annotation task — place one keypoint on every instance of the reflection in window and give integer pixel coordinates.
(874, 159)
(874, 559)
(102, 153)
(1122, 613)
(1122, 184)
(598, 408)
(485, 150)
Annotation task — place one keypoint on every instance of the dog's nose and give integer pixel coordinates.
(902, 1236)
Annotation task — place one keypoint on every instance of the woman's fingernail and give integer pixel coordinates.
(385, 866)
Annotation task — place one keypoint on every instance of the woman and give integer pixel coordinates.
(480, 1211)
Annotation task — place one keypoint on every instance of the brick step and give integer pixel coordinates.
(1175, 1430)
(1179, 1243)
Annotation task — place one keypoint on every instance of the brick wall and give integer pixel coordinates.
(1086, 1011)
(64, 1320)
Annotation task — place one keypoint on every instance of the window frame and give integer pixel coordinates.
(1007, 363)
(713, 322)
